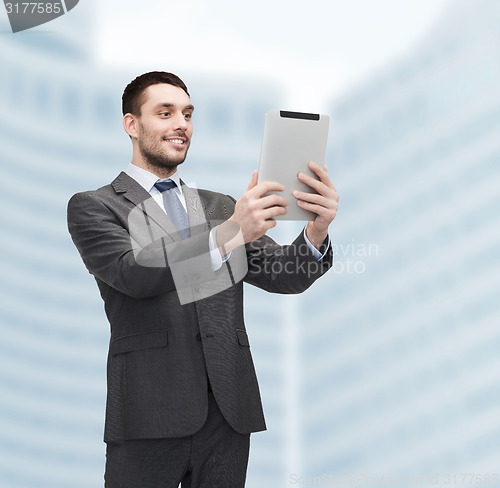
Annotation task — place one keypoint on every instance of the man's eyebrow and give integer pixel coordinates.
(170, 105)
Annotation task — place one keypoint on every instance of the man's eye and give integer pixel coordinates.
(188, 116)
(165, 114)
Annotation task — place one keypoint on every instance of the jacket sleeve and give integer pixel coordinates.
(284, 269)
(113, 256)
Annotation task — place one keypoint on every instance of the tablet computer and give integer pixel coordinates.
(290, 141)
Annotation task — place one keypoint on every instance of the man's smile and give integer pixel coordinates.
(177, 141)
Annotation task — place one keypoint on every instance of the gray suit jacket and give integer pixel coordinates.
(167, 339)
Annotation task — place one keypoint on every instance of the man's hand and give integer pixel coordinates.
(324, 204)
(253, 215)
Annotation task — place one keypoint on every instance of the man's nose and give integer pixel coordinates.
(181, 122)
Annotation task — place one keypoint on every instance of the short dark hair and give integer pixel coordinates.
(133, 96)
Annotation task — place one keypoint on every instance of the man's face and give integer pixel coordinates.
(165, 127)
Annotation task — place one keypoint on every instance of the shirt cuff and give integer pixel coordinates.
(319, 255)
(215, 256)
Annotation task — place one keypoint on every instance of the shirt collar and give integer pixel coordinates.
(147, 179)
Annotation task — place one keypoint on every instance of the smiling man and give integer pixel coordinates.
(182, 394)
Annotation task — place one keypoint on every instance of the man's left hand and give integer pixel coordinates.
(324, 203)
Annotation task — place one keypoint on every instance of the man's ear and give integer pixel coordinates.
(130, 125)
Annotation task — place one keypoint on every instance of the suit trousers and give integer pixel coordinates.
(216, 456)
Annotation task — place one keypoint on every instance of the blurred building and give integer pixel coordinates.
(400, 359)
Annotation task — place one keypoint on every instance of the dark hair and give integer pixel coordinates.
(133, 96)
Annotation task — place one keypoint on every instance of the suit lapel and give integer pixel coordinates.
(135, 193)
(197, 220)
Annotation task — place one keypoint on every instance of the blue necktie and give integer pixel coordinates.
(174, 207)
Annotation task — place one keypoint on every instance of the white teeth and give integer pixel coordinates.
(177, 141)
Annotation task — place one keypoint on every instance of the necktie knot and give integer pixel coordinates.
(162, 186)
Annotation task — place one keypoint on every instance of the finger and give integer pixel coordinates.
(321, 173)
(320, 199)
(326, 212)
(253, 181)
(266, 186)
(272, 212)
(325, 167)
(322, 188)
(327, 181)
(272, 200)
(309, 197)
(269, 224)
(314, 183)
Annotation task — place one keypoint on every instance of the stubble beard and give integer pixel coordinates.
(155, 156)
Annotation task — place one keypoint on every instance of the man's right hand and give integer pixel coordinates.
(253, 215)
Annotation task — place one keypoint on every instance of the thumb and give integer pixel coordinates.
(253, 181)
